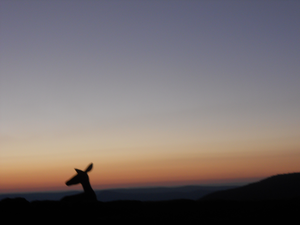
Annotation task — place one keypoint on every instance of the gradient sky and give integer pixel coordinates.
(152, 92)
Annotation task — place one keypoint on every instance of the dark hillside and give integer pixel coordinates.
(277, 199)
(15, 211)
(284, 186)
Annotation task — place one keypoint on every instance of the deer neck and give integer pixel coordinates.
(87, 187)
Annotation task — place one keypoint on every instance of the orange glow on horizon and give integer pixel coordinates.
(166, 170)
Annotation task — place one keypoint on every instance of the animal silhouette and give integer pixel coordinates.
(81, 177)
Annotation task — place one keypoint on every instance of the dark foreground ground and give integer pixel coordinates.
(186, 211)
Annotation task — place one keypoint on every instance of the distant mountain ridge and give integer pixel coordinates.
(282, 186)
(138, 194)
(158, 193)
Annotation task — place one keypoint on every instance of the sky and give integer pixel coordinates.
(154, 93)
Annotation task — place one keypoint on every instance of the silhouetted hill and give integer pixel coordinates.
(39, 196)
(20, 211)
(284, 186)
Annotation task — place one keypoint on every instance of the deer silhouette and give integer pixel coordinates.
(81, 177)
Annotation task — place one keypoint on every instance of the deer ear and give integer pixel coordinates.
(90, 167)
(78, 171)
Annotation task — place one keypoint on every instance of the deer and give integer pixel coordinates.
(81, 177)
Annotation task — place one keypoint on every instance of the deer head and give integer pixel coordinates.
(81, 176)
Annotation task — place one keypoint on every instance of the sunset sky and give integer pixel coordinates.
(154, 93)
